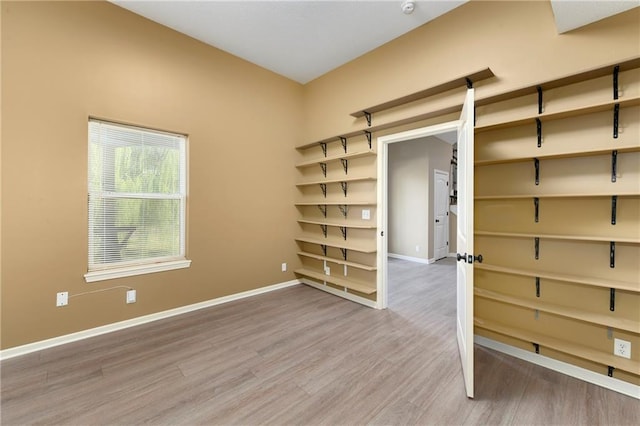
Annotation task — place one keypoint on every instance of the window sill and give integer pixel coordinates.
(109, 274)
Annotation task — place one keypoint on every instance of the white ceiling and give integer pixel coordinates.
(304, 39)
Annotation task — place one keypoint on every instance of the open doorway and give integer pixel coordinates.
(415, 195)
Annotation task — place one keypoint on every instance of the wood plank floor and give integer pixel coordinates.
(300, 356)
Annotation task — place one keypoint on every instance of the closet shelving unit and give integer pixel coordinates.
(557, 218)
(337, 190)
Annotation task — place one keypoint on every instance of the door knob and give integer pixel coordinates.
(462, 257)
(437, 220)
(477, 258)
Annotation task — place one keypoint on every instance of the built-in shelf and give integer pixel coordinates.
(367, 246)
(338, 180)
(335, 203)
(592, 281)
(557, 115)
(473, 77)
(347, 283)
(336, 157)
(561, 345)
(543, 156)
(601, 71)
(338, 224)
(338, 261)
(566, 195)
(631, 239)
(565, 311)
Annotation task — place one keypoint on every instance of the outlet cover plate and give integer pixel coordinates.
(62, 298)
(131, 296)
(622, 348)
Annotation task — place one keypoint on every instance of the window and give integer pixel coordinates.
(137, 197)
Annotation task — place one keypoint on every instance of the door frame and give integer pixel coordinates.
(383, 193)
(437, 172)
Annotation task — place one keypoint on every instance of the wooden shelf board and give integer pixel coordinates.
(343, 179)
(630, 240)
(565, 311)
(337, 224)
(579, 351)
(567, 195)
(338, 261)
(346, 244)
(431, 91)
(557, 156)
(587, 109)
(336, 157)
(420, 117)
(597, 282)
(339, 281)
(336, 203)
(625, 64)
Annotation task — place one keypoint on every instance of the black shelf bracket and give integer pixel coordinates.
(612, 299)
(344, 253)
(539, 131)
(367, 115)
(539, 89)
(368, 135)
(612, 254)
(469, 83)
(536, 247)
(537, 286)
(323, 145)
(614, 165)
(614, 208)
(536, 346)
(616, 70)
(323, 209)
(343, 140)
(323, 187)
(324, 249)
(324, 230)
(344, 209)
(616, 120)
(323, 166)
(610, 371)
(536, 206)
(536, 164)
(343, 229)
(344, 187)
(345, 164)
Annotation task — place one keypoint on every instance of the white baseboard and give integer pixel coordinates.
(411, 259)
(340, 293)
(92, 332)
(607, 382)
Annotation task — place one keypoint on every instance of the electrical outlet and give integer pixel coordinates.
(62, 298)
(622, 348)
(327, 270)
(366, 214)
(131, 296)
(417, 249)
(284, 267)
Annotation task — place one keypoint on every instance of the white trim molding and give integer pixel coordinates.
(128, 271)
(340, 293)
(97, 331)
(589, 376)
(411, 259)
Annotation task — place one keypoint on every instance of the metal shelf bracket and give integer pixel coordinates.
(343, 229)
(539, 130)
(536, 347)
(612, 254)
(324, 230)
(367, 115)
(323, 166)
(612, 299)
(536, 246)
(344, 187)
(616, 70)
(323, 209)
(368, 135)
(616, 120)
(536, 164)
(344, 253)
(614, 208)
(614, 165)
(323, 145)
(323, 187)
(345, 164)
(344, 209)
(539, 89)
(537, 286)
(536, 205)
(343, 140)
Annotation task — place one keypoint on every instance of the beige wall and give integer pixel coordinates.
(63, 62)
(411, 192)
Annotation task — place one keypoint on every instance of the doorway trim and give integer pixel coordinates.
(437, 172)
(383, 193)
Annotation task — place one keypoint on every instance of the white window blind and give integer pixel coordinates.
(137, 196)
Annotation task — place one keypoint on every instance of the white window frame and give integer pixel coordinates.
(150, 265)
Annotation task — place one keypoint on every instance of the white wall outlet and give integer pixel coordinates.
(327, 270)
(62, 298)
(366, 214)
(131, 296)
(417, 249)
(622, 348)
(284, 267)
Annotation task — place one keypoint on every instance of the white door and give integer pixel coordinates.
(441, 214)
(464, 273)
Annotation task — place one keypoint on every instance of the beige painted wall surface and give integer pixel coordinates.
(63, 62)
(411, 192)
(516, 39)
